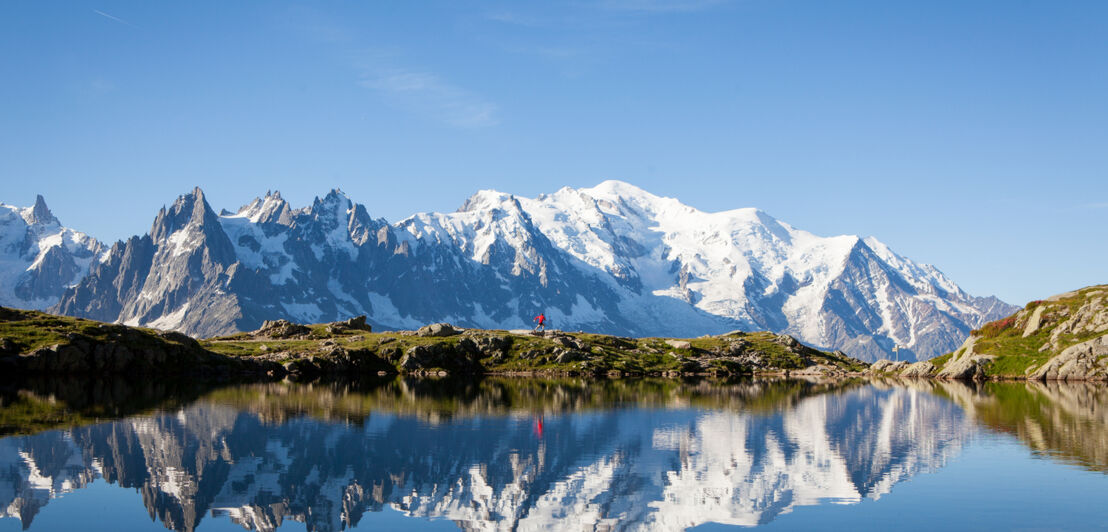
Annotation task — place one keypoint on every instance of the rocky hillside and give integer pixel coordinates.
(34, 342)
(612, 259)
(1064, 337)
(441, 349)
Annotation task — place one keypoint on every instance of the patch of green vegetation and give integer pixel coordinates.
(1016, 365)
(29, 330)
(941, 360)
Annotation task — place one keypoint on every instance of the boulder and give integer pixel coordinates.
(281, 329)
(679, 344)
(966, 368)
(887, 366)
(786, 340)
(923, 368)
(356, 323)
(438, 330)
(880, 366)
(569, 341)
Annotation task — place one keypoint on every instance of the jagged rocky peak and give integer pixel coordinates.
(40, 213)
(269, 209)
(188, 209)
(332, 209)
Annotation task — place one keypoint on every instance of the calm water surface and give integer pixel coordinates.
(553, 455)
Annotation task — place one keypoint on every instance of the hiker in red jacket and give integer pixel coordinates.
(541, 318)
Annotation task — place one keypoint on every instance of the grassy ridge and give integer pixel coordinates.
(1064, 321)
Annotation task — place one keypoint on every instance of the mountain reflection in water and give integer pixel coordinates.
(521, 454)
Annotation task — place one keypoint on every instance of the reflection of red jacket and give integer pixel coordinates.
(541, 318)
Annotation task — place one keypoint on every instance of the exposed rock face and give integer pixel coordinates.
(1084, 361)
(1034, 321)
(462, 357)
(923, 368)
(966, 368)
(887, 366)
(356, 323)
(281, 329)
(612, 259)
(39, 257)
(132, 354)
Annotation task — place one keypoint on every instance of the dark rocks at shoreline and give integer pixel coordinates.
(135, 354)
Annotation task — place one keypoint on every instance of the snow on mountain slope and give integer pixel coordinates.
(613, 259)
(746, 266)
(39, 257)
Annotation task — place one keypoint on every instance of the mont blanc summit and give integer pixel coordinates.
(612, 258)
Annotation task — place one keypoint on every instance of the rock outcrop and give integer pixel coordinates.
(1084, 361)
(436, 330)
(923, 368)
(1064, 337)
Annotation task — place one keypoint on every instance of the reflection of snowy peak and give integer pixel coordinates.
(39, 257)
(612, 259)
(623, 469)
(34, 470)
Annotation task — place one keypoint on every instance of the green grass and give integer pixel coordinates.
(941, 361)
(1016, 365)
(1016, 355)
(30, 330)
(636, 356)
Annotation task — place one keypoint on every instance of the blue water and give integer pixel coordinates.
(557, 455)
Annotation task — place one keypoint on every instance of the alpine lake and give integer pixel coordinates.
(553, 454)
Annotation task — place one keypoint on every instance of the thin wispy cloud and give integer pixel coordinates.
(384, 73)
(661, 6)
(112, 17)
(428, 94)
(1098, 205)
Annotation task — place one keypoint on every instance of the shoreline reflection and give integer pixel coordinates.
(504, 454)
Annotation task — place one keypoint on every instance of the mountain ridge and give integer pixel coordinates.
(612, 258)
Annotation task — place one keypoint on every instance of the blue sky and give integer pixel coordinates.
(970, 135)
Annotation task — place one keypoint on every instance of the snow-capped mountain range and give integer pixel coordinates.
(612, 259)
(615, 469)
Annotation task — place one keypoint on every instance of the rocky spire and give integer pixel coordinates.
(40, 213)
